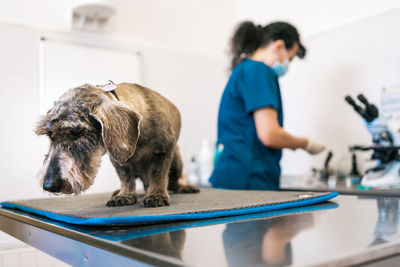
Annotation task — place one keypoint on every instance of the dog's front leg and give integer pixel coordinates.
(127, 194)
(157, 177)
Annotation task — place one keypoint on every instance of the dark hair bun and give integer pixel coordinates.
(245, 41)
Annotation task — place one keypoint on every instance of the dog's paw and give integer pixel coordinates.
(117, 201)
(186, 189)
(152, 201)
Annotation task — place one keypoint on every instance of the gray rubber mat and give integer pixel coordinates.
(209, 203)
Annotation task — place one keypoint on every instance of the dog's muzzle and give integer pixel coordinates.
(53, 181)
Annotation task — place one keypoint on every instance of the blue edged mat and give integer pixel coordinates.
(209, 203)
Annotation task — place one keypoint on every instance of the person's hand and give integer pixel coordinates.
(314, 147)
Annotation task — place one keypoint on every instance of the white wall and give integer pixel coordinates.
(198, 27)
(21, 151)
(42, 14)
(313, 17)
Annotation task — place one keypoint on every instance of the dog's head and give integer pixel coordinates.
(83, 124)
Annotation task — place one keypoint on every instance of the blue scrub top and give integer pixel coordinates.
(244, 162)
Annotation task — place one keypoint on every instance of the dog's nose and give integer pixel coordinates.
(52, 181)
(52, 185)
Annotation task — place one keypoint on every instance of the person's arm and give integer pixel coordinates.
(271, 134)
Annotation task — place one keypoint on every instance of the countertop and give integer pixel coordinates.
(347, 230)
(298, 183)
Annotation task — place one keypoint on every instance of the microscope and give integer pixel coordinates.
(385, 145)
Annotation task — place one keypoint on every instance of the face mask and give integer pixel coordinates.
(280, 68)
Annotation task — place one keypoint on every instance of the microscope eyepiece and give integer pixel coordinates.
(362, 99)
(370, 108)
(369, 113)
(350, 100)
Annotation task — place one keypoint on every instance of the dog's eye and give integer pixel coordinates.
(75, 134)
(71, 133)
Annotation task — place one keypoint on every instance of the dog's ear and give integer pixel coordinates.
(43, 127)
(120, 129)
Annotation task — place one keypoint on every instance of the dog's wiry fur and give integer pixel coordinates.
(139, 130)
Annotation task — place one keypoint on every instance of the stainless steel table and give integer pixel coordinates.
(289, 183)
(348, 230)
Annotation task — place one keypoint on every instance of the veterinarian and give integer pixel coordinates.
(250, 120)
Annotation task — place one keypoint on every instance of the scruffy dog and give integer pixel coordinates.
(138, 128)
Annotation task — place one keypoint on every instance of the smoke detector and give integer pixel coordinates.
(91, 15)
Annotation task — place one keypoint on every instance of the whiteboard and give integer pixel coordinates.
(64, 65)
